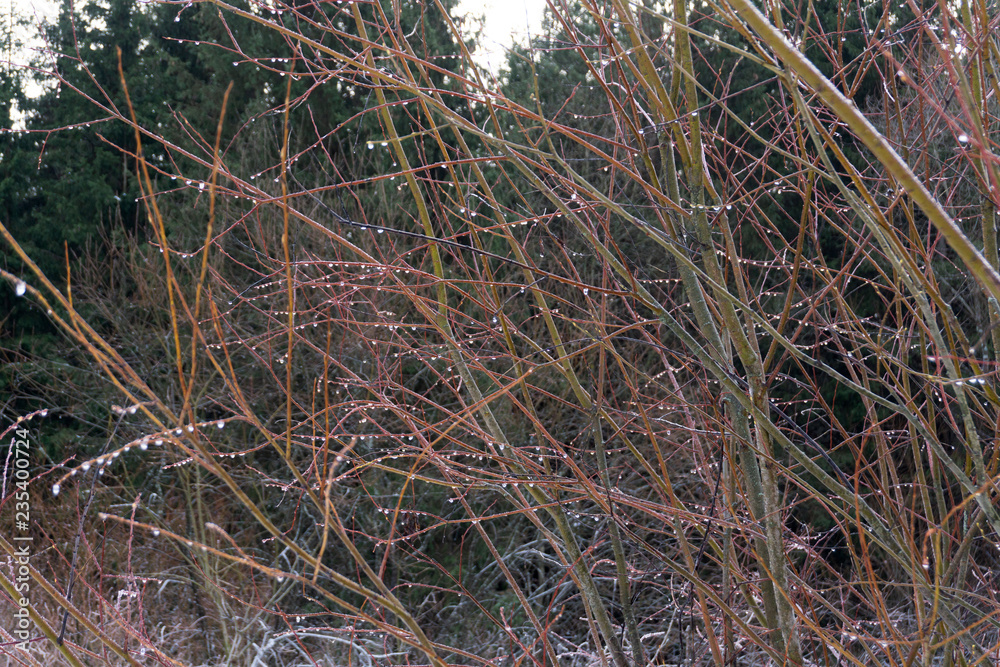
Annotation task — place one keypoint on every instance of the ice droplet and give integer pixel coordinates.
(55, 489)
(20, 288)
(963, 138)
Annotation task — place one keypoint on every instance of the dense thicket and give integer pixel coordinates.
(673, 343)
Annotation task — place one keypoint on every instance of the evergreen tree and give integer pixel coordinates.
(69, 180)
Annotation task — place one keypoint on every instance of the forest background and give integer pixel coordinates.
(673, 341)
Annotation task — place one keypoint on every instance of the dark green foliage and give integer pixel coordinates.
(68, 177)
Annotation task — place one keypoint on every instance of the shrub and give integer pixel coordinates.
(690, 388)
